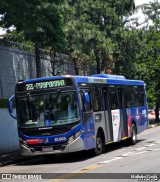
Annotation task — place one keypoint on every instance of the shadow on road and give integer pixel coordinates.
(72, 157)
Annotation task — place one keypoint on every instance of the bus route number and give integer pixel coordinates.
(29, 86)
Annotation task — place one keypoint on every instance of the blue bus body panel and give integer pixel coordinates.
(53, 139)
(139, 116)
(88, 134)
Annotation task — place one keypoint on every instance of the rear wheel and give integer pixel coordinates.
(133, 138)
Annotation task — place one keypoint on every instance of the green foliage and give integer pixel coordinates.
(90, 28)
(40, 21)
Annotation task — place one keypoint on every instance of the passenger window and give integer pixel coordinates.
(97, 106)
(129, 96)
(113, 98)
(134, 95)
(141, 95)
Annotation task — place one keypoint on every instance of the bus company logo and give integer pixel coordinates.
(44, 140)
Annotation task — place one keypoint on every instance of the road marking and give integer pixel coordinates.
(91, 167)
(156, 149)
(136, 153)
(105, 162)
(157, 142)
(150, 145)
(139, 149)
(125, 155)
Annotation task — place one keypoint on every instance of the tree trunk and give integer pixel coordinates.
(157, 112)
(38, 59)
(75, 66)
(98, 63)
(53, 61)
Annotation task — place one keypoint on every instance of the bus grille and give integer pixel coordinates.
(54, 147)
(54, 130)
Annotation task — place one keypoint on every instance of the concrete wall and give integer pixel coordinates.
(8, 132)
(16, 65)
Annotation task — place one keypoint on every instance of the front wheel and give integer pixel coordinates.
(133, 138)
(99, 144)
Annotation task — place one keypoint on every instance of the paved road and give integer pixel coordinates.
(144, 157)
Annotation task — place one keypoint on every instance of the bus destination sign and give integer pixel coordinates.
(44, 85)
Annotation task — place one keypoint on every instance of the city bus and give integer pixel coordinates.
(63, 114)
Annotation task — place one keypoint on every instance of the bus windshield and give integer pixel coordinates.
(47, 110)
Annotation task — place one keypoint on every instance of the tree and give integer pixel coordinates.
(90, 28)
(128, 54)
(40, 21)
(152, 12)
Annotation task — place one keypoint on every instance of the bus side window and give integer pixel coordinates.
(141, 95)
(105, 96)
(113, 98)
(129, 96)
(97, 105)
(86, 106)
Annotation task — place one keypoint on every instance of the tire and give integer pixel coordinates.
(99, 145)
(133, 138)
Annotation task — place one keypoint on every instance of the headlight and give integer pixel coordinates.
(73, 137)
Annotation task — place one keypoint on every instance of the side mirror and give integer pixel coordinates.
(10, 106)
(86, 98)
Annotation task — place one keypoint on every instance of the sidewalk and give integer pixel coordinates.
(15, 157)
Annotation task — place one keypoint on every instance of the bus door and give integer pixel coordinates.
(108, 117)
(114, 112)
(87, 119)
(123, 114)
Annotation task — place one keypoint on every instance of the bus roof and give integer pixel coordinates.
(97, 78)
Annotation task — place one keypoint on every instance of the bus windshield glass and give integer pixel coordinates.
(47, 110)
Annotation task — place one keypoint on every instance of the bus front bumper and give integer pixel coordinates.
(76, 145)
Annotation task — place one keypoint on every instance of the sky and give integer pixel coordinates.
(137, 2)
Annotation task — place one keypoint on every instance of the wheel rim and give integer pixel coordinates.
(99, 145)
(134, 135)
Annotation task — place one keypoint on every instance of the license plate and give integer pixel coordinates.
(47, 149)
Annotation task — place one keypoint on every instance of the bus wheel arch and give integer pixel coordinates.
(133, 132)
(100, 142)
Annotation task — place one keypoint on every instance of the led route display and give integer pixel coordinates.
(44, 85)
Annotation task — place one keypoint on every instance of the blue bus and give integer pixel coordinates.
(62, 114)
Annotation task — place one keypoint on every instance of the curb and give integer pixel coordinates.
(153, 125)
